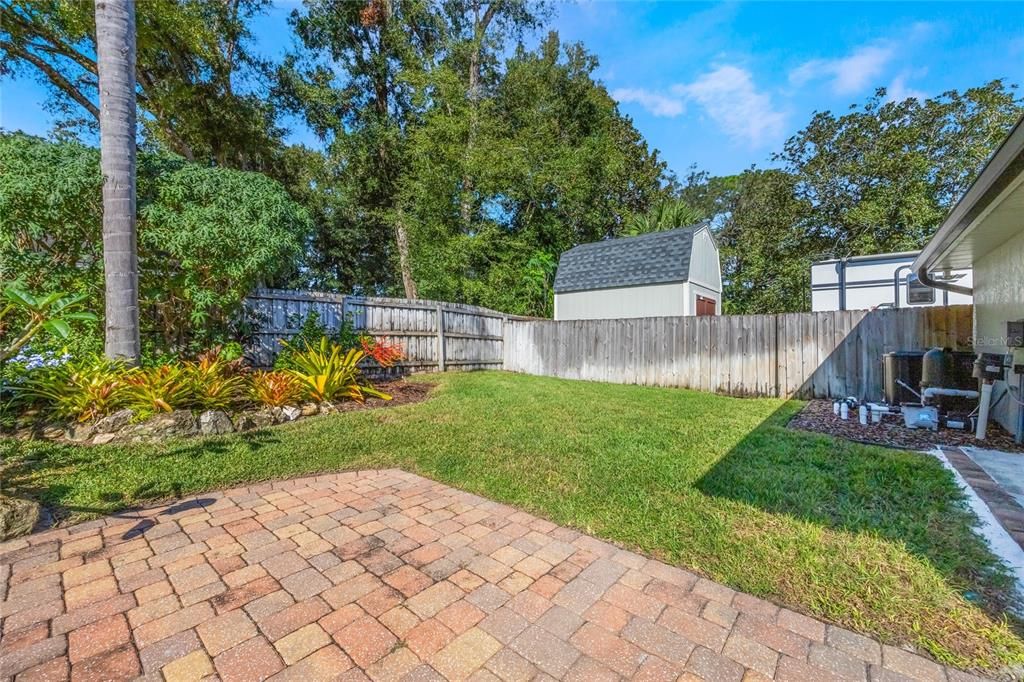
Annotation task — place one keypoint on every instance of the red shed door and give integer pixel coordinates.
(705, 306)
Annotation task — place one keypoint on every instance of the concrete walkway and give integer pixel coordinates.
(998, 479)
(384, 575)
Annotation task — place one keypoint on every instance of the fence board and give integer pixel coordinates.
(473, 337)
(830, 354)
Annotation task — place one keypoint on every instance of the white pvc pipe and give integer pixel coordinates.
(933, 391)
(986, 402)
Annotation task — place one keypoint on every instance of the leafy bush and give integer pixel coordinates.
(82, 391)
(309, 335)
(33, 314)
(275, 389)
(207, 236)
(158, 389)
(327, 372)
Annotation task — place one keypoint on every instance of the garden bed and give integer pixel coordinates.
(123, 426)
(817, 416)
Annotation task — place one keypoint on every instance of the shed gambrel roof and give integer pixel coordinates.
(654, 258)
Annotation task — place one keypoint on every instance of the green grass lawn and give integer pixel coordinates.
(873, 539)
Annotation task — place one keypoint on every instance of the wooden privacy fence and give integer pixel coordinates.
(436, 335)
(828, 354)
(823, 355)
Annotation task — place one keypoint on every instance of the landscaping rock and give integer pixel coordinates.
(52, 432)
(309, 409)
(104, 438)
(215, 422)
(291, 413)
(17, 517)
(167, 424)
(259, 419)
(114, 422)
(79, 432)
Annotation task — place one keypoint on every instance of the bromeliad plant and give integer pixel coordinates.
(158, 389)
(214, 382)
(384, 351)
(80, 390)
(327, 372)
(275, 389)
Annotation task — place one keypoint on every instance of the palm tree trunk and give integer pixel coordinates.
(115, 50)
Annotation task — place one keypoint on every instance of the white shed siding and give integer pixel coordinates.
(693, 290)
(998, 298)
(652, 300)
(705, 268)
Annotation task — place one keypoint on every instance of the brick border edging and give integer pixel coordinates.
(1002, 505)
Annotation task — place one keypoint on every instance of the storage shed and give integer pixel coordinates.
(661, 274)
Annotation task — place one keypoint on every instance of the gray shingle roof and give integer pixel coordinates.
(654, 258)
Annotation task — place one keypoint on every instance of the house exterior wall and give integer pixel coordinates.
(999, 297)
(869, 283)
(652, 300)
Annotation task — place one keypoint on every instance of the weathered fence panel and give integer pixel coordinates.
(435, 335)
(829, 354)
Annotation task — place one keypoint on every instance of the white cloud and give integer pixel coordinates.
(864, 66)
(655, 103)
(850, 74)
(728, 96)
(898, 90)
(732, 101)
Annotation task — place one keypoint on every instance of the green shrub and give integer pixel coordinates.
(207, 236)
(310, 333)
(24, 315)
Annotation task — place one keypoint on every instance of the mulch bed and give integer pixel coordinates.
(401, 392)
(817, 416)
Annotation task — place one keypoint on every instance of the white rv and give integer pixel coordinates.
(885, 280)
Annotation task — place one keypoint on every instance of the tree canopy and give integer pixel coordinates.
(876, 179)
(462, 148)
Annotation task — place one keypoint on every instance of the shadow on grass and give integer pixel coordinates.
(906, 498)
(27, 466)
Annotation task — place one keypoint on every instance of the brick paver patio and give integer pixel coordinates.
(384, 575)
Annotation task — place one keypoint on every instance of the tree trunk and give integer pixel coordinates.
(479, 34)
(115, 50)
(404, 261)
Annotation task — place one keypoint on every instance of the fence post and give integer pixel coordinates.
(504, 342)
(778, 380)
(440, 339)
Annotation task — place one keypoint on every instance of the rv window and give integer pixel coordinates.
(917, 293)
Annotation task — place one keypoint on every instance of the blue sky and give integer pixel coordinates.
(723, 85)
